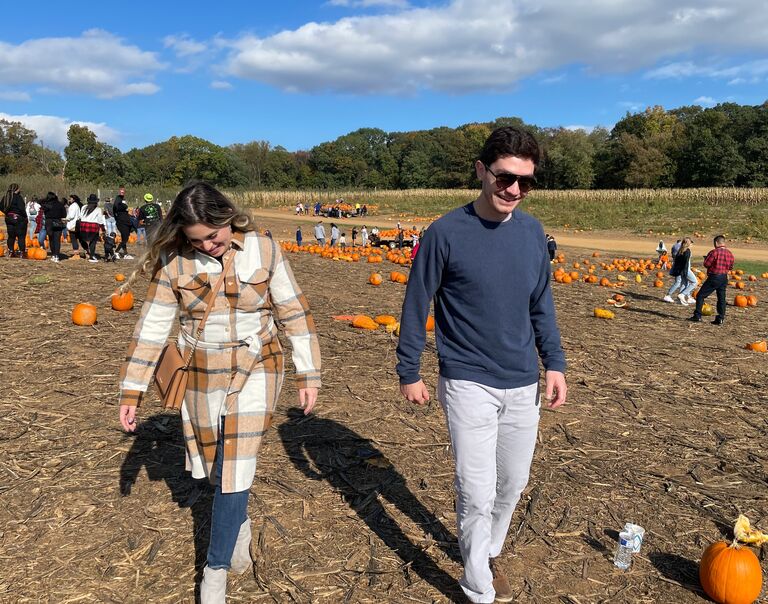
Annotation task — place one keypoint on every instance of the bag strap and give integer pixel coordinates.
(209, 305)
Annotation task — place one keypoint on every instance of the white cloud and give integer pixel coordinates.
(633, 106)
(751, 72)
(464, 46)
(586, 129)
(705, 101)
(52, 130)
(97, 63)
(183, 45)
(369, 3)
(221, 85)
(14, 95)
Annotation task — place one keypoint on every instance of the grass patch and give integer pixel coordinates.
(39, 280)
(752, 268)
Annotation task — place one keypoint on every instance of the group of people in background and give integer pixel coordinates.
(334, 211)
(83, 224)
(718, 262)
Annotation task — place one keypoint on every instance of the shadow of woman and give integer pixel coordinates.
(679, 570)
(361, 474)
(158, 446)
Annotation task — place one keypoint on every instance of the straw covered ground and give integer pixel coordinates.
(665, 426)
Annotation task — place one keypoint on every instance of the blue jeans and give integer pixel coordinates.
(227, 515)
(141, 235)
(41, 236)
(690, 285)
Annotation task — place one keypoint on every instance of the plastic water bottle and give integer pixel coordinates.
(623, 557)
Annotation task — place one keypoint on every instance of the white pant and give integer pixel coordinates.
(493, 434)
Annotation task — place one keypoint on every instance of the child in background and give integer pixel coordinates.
(299, 236)
(343, 241)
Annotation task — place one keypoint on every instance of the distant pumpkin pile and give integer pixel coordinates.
(351, 254)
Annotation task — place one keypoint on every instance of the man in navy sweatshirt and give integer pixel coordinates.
(486, 267)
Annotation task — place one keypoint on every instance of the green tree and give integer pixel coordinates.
(21, 154)
(253, 155)
(569, 159)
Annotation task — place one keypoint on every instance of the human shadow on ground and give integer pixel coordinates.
(681, 570)
(324, 449)
(657, 313)
(158, 446)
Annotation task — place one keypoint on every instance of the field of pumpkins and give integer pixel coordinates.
(665, 427)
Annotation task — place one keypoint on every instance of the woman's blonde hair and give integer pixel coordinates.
(198, 203)
(687, 241)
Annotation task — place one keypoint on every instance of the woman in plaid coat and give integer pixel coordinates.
(237, 368)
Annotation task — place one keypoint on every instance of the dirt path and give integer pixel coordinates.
(610, 241)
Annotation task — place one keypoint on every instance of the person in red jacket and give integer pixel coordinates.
(717, 262)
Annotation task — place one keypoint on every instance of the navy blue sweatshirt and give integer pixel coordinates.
(494, 313)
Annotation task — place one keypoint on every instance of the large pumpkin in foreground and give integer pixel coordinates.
(730, 574)
(84, 314)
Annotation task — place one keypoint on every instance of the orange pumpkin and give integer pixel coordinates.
(430, 323)
(658, 283)
(375, 279)
(398, 277)
(759, 346)
(752, 300)
(122, 301)
(741, 301)
(364, 322)
(84, 314)
(119, 277)
(385, 319)
(730, 574)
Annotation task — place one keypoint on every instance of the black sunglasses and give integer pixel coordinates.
(506, 180)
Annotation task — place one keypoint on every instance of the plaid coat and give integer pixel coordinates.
(237, 368)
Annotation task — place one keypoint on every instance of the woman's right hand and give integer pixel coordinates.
(128, 417)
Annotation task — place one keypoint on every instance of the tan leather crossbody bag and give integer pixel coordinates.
(172, 371)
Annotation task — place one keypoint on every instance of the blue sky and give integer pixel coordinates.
(300, 73)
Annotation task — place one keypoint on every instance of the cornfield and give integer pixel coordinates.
(736, 212)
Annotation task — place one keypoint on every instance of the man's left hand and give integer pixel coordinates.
(556, 389)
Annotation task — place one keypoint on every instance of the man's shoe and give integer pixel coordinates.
(500, 584)
(127, 257)
(668, 298)
(695, 319)
(717, 321)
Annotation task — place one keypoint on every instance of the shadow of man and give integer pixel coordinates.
(361, 474)
(158, 446)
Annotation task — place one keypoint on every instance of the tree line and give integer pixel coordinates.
(726, 145)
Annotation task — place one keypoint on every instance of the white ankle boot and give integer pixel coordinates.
(241, 556)
(213, 589)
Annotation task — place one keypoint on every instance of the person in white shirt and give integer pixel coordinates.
(320, 233)
(364, 236)
(33, 208)
(91, 224)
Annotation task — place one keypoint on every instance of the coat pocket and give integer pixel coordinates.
(193, 290)
(254, 291)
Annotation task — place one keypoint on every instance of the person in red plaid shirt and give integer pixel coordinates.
(717, 262)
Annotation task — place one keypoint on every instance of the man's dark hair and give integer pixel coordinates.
(719, 240)
(508, 141)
